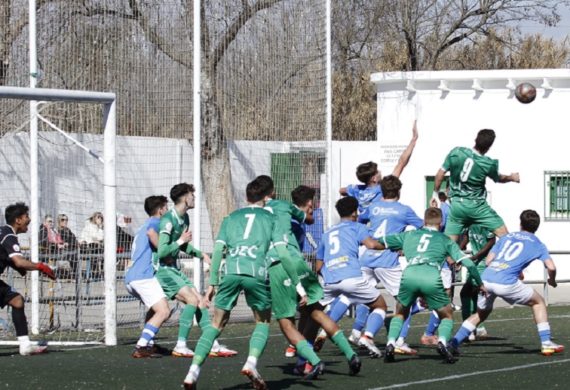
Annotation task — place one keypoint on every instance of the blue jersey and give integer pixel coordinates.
(365, 196)
(387, 218)
(513, 253)
(339, 251)
(142, 252)
(444, 214)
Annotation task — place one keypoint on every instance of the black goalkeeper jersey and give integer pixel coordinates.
(9, 246)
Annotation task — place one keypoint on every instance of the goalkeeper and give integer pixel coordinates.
(175, 236)
(17, 220)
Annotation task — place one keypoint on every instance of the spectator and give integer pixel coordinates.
(92, 234)
(69, 239)
(50, 239)
(124, 237)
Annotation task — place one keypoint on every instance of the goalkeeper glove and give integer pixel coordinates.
(46, 269)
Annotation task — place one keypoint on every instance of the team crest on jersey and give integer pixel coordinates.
(168, 227)
(287, 282)
(16, 248)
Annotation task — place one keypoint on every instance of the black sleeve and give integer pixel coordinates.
(11, 246)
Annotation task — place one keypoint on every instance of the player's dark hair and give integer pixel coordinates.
(365, 171)
(391, 187)
(484, 140)
(346, 206)
(442, 196)
(15, 211)
(302, 194)
(180, 190)
(154, 203)
(255, 191)
(530, 221)
(432, 216)
(266, 183)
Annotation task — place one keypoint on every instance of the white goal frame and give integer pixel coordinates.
(108, 100)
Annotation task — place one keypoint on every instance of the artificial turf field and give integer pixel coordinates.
(510, 359)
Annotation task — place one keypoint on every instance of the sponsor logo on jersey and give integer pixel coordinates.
(16, 248)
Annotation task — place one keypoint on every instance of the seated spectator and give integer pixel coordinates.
(92, 235)
(70, 240)
(124, 237)
(50, 239)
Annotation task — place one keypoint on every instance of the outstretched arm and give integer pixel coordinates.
(439, 177)
(407, 153)
(513, 177)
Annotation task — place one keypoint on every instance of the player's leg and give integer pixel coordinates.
(405, 299)
(316, 313)
(402, 348)
(204, 345)
(188, 295)
(15, 300)
(536, 302)
(151, 294)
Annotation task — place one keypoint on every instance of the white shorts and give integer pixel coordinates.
(357, 290)
(518, 293)
(446, 277)
(389, 277)
(147, 290)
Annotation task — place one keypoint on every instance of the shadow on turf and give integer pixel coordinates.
(278, 384)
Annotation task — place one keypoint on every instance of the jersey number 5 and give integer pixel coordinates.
(424, 242)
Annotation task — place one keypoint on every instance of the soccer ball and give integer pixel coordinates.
(525, 93)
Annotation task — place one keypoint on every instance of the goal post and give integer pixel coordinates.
(108, 100)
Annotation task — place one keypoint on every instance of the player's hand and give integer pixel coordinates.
(206, 259)
(434, 202)
(303, 301)
(45, 269)
(552, 282)
(483, 290)
(515, 177)
(210, 294)
(186, 236)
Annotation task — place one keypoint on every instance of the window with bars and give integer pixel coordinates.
(557, 195)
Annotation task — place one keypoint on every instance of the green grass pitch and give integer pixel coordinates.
(509, 359)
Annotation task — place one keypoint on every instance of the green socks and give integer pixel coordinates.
(258, 339)
(185, 322)
(395, 328)
(306, 351)
(342, 343)
(445, 330)
(205, 345)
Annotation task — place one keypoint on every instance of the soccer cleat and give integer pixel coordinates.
(31, 349)
(182, 352)
(428, 340)
(354, 365)
(256, 380)
(446, 353)
(291, 351)
(549, 348)
(453, 347)
(317, 370)
(472, 337)
(222, 351)
(302, 368)
(368, 343)
(389, 353)
(481, 333)
(145, 352)
(320, 341)
(190, 382)
(404, 349)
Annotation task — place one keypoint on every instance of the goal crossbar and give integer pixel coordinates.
(108, 99)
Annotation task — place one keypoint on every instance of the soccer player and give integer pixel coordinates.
(369, 174)
(174, 237)
(481, 241)
(283, 296)
(140, 280)
(337, 261)
(469, 168)
(387, 216)
(17, 221)
(425, 249)
(510, 255)
(245, 235)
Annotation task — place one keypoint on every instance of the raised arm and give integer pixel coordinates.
(407, 153)
(439, 176)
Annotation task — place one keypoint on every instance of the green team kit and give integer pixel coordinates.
(468, 172)
(478, 238)
(166, 264)
(283, 291)
(247, 235)
(426, 250)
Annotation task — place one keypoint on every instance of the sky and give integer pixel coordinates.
(561, 31)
